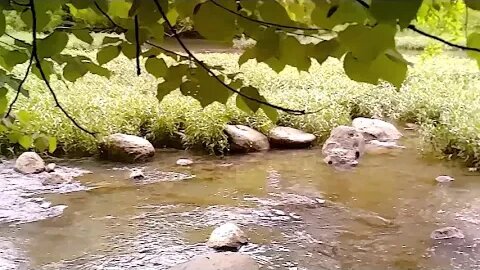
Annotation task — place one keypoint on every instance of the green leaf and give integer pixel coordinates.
(205, 88)
(473, 4)
(393, 11)
(367, 43)
(272, 11)
(41, 143)
(25, 141)
(83, 35)
(3, 23)
(173, 79)
(111, 41)
(156, 67)
(9, 59)
(325, 49)
(270, 112)
(134, 8)
(185, 7)
(52, 144)
(47, 66)
(98, 70)
(129, 50)
(293, 53)
(74, 70)
(52, 44)
(107, 54)
(248, 105)
(328, 14)
(384, 67)
(24, 117)
(3, 100)
(473, 41)
(142, 35)
(212, 22)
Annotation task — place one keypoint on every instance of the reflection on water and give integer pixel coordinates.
(378, 216)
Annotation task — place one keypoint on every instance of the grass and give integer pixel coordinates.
(441, 94)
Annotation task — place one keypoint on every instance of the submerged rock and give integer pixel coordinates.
(219, 261)
(227, 237)
(378, 147)
(444, 179)
(50, 167)
(184, 162)
(246, 139)
(29, 163)
(447, 233)
(375, 129)
(344, 147)
(126, 148)
(137, 174)
(57, 179)
(286, 137)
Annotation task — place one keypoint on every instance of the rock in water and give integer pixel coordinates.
(219, 261)
(447, 233)
(137, 174)
(286, 137)
(375, 129)
(126, 148)
(444, 179)
(29, 163)
(50, 167)
(184, 162)
(344, 147)
(246, 139)
(57, 179)
(227, 237)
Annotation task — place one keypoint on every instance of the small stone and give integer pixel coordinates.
(295, 216)
(320, 201)
(227, 237)
(447, 233)
(411, 126)
(278, 212)
(184, 162)
(245, 139)
(473, 169)
(29, 163)
(126, 148)
(56, 179)
(50, 167)
(137, 174)
(444, 179)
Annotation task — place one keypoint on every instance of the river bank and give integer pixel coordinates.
(441, 100)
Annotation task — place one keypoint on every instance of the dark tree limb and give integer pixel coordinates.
(138, 48)
(42, 72)
(211, 73)
(19, 89)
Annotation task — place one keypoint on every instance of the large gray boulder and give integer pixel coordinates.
(227, 237)
(375, 129)
(287, 137)
(29, 163)
(246, 139)
(344, 147)
(219, 261)
(126, 148)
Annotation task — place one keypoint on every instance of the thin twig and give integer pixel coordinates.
(138, 49)
(19, 89)
(423, 33)
(204, 66)
(38, 64)
(277, 25)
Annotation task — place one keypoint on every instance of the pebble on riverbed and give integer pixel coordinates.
(184, 162)
(137, 174)
(444, 179)
(447, 233)
(50, 167)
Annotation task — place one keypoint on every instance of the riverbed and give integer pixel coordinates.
(298, 212)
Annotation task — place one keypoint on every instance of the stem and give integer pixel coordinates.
(137, 46)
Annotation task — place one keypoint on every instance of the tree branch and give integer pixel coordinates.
(138, 49)
(19, 89)
(211, 73)
(265, 23)
(42, 72)
(431, 36)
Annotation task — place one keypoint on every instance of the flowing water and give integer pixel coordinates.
(377, 216)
